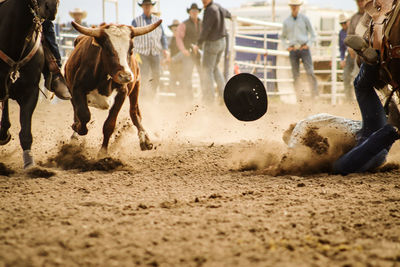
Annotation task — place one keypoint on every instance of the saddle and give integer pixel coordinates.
(382, 15)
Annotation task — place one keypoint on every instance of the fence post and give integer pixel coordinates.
(232, 43)
(334, 68)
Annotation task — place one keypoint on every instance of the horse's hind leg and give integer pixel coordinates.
(134, 111)
(27, 106)
(5, 125)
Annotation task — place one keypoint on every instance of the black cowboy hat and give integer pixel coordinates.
(147, 2)
(193, 6)
(245, 97)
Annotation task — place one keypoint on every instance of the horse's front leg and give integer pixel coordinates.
(5, 124)
(27, 106)
(109, 124)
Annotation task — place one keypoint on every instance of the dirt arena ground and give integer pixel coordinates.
(186, 203)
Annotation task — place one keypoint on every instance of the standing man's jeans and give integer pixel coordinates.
(150, 72)
(188, 64)
(376, 136)
(305, 56)
(213, 52)
(347, 78)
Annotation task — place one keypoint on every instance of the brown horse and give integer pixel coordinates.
(21, 63)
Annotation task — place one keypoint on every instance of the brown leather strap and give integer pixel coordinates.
(26, 59)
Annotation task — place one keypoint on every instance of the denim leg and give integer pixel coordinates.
(186, 78)
(347, 73)
(219, 78)
(50, 37)
(209, 60)
(156, 72)
(145, 76)
(372, 112)
(369, 154)
(308, 66)
(295, 64)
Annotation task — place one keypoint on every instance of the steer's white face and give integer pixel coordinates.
(121, 41)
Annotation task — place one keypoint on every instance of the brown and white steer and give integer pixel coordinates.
(103, 65)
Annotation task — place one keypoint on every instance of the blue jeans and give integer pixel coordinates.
(376, 136)
(305, 56)
(188, 64)
(150, 72)
(50, 37)
(213, 51)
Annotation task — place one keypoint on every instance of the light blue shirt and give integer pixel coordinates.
(297, 31)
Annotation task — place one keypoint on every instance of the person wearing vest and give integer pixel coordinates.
(149, 47)
(212, 38)
(188, 33)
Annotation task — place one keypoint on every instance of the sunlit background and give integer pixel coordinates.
(170, 9)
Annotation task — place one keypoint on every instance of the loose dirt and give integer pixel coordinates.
(190, 202)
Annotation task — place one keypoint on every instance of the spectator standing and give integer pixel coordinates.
(212, 39)
(78, 16)
(297, 37)
(344, 23)
(188, 33)
(149, 47)
(175, 66)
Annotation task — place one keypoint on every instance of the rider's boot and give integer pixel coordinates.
(54, 80)
(361, 47)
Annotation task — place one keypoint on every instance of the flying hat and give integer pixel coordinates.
(343, 18)
(175, 23)
(78, 11)
(245, 97)
(295, 2)
(193, 6)
(147, 2)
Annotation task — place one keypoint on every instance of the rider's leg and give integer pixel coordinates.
(54, 80)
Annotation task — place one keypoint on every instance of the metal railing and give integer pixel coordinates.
(272, 65)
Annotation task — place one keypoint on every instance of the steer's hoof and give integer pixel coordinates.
(28, 159)
(77, 127)
(6, 140)
(146, 146)
(102, 153)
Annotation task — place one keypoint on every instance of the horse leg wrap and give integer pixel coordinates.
(28, 159)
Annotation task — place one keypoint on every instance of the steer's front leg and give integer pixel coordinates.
(109, 124)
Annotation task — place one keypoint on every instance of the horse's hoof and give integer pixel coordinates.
(79, 129)
(28, 159)
(6, 140)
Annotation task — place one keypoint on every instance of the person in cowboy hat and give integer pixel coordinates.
(78, 16)
(297, 37)
(213, 40)
(175, 67)
(188, 33)
(149, 47)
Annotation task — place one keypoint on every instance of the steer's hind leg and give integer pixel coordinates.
(109, 124)
(81, 112)
(134, 111)
(5, 125)
(27, 106)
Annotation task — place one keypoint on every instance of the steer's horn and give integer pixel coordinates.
(143, 30)
(93, 32)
